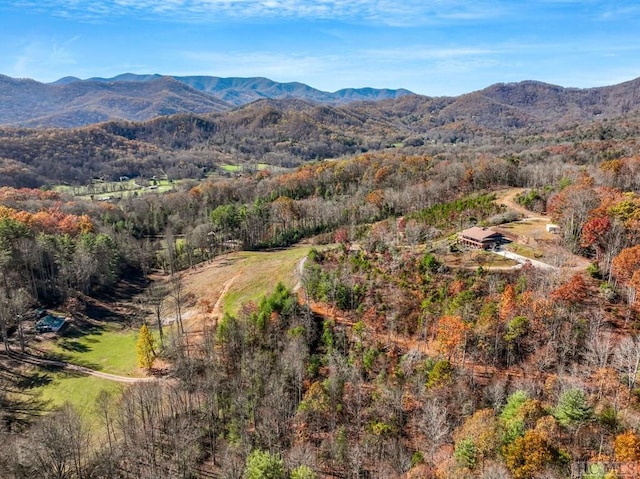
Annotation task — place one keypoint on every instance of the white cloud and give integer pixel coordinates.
(426, 53)
(41, 57)
(387, 12)
(277, 66)
(392, 68)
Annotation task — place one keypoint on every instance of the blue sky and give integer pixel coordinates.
(432, 47)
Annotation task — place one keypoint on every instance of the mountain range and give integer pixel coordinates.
(240, 91)
(71, 102)
(132, 128)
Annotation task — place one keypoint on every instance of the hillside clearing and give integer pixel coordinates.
(236, 278)
(107, 349)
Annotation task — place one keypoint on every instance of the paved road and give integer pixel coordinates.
(523, 259)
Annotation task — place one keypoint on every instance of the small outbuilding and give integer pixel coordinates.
(551, 228)
(480, 238)
(50, 324)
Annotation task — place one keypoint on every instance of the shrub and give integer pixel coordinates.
(303, 472)
(417, 458)
(594, 270)
(466, 453)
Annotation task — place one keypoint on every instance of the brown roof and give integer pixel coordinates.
(480, 234)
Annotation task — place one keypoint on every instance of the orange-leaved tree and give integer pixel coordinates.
(528, 455)
(626, 269)
(507, 302)
(451, 334)
(626, 446)
(572, 292)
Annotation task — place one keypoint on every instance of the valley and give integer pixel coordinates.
(286, 281)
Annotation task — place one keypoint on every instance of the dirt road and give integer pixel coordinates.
(63, 365)
(507, 198)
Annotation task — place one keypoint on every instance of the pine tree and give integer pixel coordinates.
(262, 465)
(573, 408)
(145, 346)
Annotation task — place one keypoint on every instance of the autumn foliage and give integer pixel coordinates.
(626, 446)
(572, 292)
(626, 266)
(50, 220)
(528, 455)
(451, 334)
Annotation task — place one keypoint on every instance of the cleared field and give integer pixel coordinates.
(261, 272)
(475, 259)
(79, 390)
(240, 168)
(107, 349)
(117, 189)
(526, 251)
(247, 276)
(533, 228)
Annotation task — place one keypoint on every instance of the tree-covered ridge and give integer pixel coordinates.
(506, 347)
(287, 133)
(391, 362)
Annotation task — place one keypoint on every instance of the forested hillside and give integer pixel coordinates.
(402, 353)
(289, 133)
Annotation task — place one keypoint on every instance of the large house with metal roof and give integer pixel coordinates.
(480, 238)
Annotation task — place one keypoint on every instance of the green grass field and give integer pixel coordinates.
(81, 391)
(109, 350)
(260, 273)
(245, 276)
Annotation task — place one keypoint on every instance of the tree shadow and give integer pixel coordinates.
(58, 369)
(74, 346)
(33, 380)
(20, 410)
(132, 283)
(81, 330)
(100, 313)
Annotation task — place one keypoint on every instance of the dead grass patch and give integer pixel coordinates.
(471, 259)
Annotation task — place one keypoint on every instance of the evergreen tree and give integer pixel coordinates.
(262, 465)
(303, 472)
(573, 408)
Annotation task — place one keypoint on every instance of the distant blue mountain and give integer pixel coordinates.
(240, 91)
(70, 102)
(73, 102)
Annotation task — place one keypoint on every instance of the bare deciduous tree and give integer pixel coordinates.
(626, 359)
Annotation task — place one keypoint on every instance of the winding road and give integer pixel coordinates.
(66, 366)
(508, 200)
